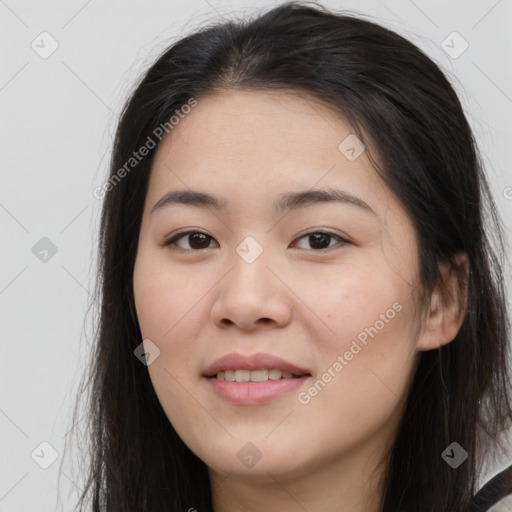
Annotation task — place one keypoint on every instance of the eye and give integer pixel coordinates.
(196, 239)
(319, 240)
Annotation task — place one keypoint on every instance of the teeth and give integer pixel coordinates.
(242, 375)
(275, 374)
(259, 375)
(254, 375)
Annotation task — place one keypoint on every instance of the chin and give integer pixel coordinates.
(255, 459)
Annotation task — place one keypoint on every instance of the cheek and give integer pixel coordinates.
(169, 320)
(367, 365)
(172, 310)
(368, 320)
(165, 297)
(351, 297)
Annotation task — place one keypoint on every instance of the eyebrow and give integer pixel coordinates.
(285, 202)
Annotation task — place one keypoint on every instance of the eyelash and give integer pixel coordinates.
(174, 239)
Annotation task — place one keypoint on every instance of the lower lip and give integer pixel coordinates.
(247, 393)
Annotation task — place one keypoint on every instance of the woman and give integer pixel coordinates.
(301, 305)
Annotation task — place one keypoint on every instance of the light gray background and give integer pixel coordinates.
(57, 121)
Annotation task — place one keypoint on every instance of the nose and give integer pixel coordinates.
(252, 295)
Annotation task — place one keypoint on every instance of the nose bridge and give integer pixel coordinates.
(249, 267)
(250, 250)
(250, 291)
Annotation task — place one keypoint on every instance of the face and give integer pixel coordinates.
(327, 286)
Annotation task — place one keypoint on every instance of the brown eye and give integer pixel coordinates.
(320, 240)
(196, 240)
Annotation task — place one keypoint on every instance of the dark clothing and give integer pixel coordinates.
(493, 491)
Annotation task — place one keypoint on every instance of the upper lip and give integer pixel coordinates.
(235, 361)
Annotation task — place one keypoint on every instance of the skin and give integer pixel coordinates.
(295, 301)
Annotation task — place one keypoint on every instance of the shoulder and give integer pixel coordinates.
(496, 494)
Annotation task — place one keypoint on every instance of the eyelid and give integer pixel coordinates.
(182, 234)
(343, 240)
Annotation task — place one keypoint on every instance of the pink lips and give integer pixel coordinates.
(248, 393)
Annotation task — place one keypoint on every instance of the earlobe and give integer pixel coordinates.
(447, 308)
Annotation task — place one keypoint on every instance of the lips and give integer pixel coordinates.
(235, 361)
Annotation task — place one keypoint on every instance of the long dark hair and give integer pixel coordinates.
(400, 104)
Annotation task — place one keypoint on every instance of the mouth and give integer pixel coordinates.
(260, 367)
(254, 379)
(263, 386)
(260, 375)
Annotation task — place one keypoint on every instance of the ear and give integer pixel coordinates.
(447, 310)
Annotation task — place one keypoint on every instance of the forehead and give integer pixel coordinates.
(255, 145)
(239, 123)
